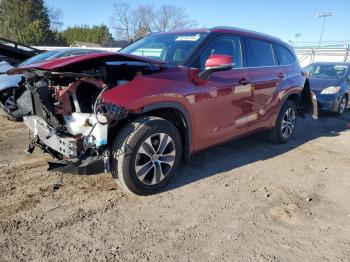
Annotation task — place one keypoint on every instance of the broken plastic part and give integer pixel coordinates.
(113, 111)
(30, 149)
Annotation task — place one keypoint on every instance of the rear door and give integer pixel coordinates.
(265, 75)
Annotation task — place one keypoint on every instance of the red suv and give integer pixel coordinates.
(139, 112)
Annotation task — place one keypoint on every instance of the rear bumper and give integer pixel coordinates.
(46, 135)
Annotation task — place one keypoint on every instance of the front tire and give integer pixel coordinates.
(147, 153)
(8, 105)
(342, 106)
(285, 123)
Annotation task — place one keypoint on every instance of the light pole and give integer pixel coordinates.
(297, 35)
(323, 15)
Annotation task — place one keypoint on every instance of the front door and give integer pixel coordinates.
(223, 103)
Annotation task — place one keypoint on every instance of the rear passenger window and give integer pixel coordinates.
(285, 57)
(259, 53)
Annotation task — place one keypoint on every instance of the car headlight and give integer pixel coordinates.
(330, 90)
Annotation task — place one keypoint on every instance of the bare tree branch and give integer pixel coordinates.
(132, 24)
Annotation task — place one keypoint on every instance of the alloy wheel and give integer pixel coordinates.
(10, 104)
(155, 159)
(288, 123)
(342, 105)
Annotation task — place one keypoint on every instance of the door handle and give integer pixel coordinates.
(243, 81)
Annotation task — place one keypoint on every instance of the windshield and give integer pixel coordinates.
(56, 54)
(327, 71)
(38, 58)
(171, 48)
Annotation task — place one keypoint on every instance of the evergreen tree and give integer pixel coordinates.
(98, 34)
(25, 21)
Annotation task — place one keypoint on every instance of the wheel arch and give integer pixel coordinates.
(179, 116)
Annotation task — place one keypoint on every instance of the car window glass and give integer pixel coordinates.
(259, 53)
(223, 45)
(285, 57)
(171, 48)
(39, 57)
(328, 71)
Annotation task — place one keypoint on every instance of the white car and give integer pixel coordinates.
(10, 85)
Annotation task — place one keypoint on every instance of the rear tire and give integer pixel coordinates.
(285, 123)
(147, 152)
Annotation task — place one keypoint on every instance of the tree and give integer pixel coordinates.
(132, 24)
(55, 16)
(26, 21)
(98, 34)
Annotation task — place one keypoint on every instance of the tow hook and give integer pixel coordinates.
(30, 148)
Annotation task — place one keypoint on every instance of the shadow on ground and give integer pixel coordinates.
(254, 148)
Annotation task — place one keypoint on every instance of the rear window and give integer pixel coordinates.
(285, 57)
(259, 53)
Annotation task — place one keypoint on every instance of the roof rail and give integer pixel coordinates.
(245, 30)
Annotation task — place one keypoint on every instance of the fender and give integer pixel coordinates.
(187, 121)
(283, 100)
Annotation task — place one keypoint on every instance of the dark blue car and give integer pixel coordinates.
(331, 84)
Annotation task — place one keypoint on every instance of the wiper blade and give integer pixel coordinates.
(135, 64)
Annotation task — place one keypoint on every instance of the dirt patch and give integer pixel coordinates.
(246, 200)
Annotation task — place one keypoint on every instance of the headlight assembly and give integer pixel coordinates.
(330, 90)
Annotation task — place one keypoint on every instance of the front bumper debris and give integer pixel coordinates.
(328, 102)
(88, 166)
(65, 145)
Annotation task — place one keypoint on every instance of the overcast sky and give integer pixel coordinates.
(279, 18)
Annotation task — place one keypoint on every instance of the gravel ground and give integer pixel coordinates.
(247, 200)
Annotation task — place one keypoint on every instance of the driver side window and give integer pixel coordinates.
(224, 45)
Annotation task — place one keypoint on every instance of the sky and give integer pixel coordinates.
(282, 19)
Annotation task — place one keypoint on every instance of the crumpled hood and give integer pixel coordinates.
(317, 84)
(55, 64)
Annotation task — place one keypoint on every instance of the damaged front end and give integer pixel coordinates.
(70, 121)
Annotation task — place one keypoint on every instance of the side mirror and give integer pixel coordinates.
(216, 63)
(348, 80)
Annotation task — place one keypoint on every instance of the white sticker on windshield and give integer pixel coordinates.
(193, 38)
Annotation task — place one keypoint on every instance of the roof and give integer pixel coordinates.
(226, 29)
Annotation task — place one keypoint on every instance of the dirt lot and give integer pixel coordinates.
(246, 200)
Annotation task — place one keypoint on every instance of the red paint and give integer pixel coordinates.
(227, 105)
(218, 60)
(65, 61)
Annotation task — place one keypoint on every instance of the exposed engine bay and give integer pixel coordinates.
(70, 120)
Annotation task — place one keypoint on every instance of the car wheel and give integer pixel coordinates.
(147, 153)
(342, 105)
(8, 105)
(285, 123)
